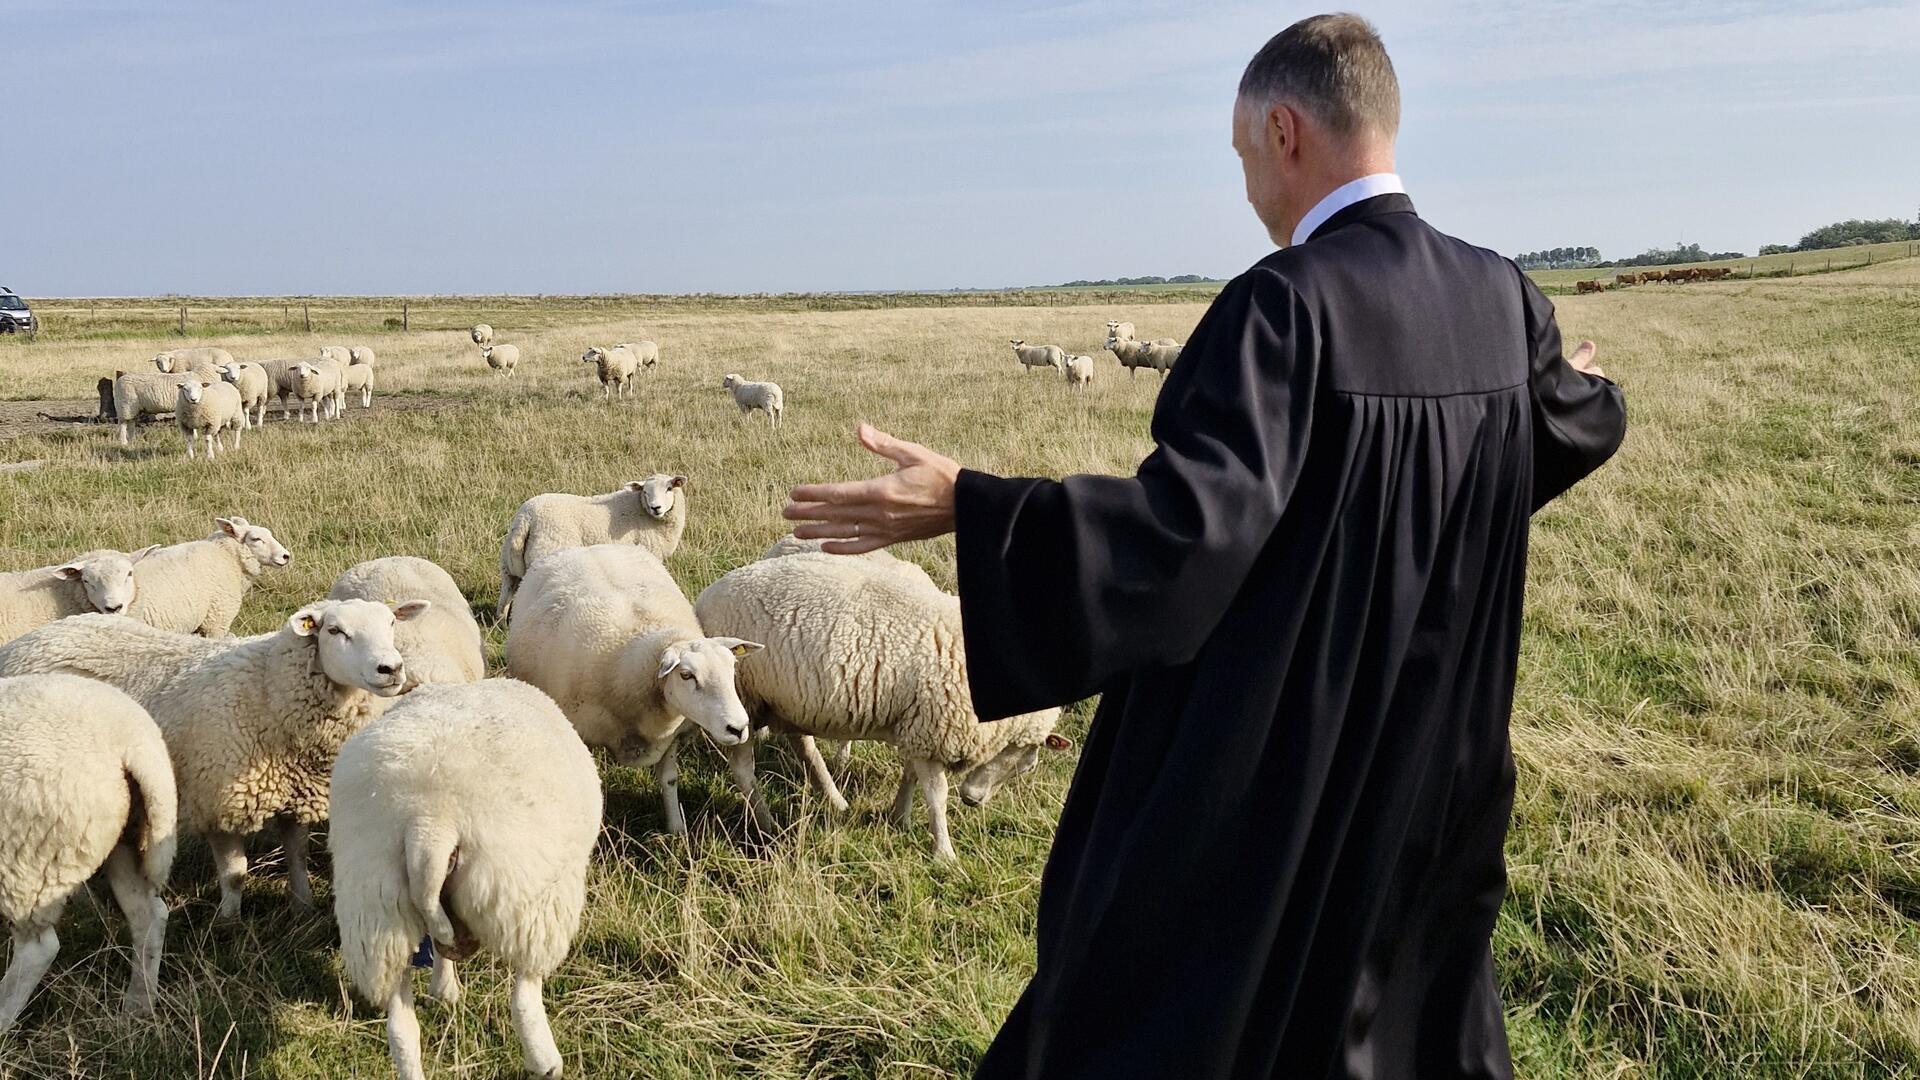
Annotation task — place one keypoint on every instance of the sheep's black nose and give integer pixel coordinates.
(387, 669)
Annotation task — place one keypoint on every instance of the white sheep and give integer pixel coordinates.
(645, 353)
(1078, 370)
(143, 393)
(482, 334)
(281, 377)
(1118, 331)
(255, 387)
(205, 409)
(196, 587)
(251, 726)
(204, 361)
(358, 377)
(339, 354)
(1033, 356)
(607, 632)
(315, 386)
(1156, 355)
(854, 651)
(468, 814)
(359, 355)
(765, 396)
(793, 545)
(615, 366)
(650, 513)
(101, 581)
(84, 784)
(440, 646)
(501, 358)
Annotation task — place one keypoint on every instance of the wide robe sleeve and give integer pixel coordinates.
(1066, 584)
(1578, 419)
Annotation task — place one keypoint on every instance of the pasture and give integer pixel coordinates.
(1715, 857)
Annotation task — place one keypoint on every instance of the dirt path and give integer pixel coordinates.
(50, 416)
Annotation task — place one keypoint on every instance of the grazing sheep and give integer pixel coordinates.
(252, 726)
(1118, 331)
(765, 396)
(607, 632)
(467, 813)
(482, 334)
(1033, 356)
(105, 389)
(650, 513)
(255, 387)
(101, 581)
(645, 353)
(358, 377)
(441, 646)
(501, 358)
(1078, 371)
(143, 393)
(196, 587)
(853, 651)
(84, 784)
(359, 355)
(615, 367)
(205, 409)
(205, 362)
(316, 385)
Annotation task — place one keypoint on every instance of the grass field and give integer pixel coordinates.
(1716, 845)
(1791, 264)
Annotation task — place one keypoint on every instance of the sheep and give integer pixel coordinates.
(196, 587)
(143, 393)
(441, 646)
(482, 334)
(255, 387)
(501, 358)
(205, 361)
(1134, 355)
(340, 354)
(314, 385)
(468, 814)
(281, 377)
(1118, 331)
(853, 651)
(251, 726)
(651, 513)
(359, 355)
(1160, 355)
(84, 785)
(615, 367)
(607, 632)
(101, 581)
(105, 389)
(1033, 356)
(645, 353)
(1078, 371)
(205, 409)
(793, 545)
(765, 396)
(358, 377)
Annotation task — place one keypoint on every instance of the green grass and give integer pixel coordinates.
(1715, 856)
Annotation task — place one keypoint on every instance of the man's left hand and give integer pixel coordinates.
(915, 502)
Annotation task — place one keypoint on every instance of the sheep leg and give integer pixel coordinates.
(123, 433)
(666, 772)
(537, 1052)
(933, 784)
(34, 947)
(740, 767)
(230, 866)
(191, 440)
(843, 757)
(902, 812)
(403, 1032)
(293, 840)
(146, 922)
(809, 752)
(444, 986)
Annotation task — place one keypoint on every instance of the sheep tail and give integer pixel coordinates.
(152, 811)
(431, 848)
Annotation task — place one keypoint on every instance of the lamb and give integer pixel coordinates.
(1078, 371)
(143, 393)
(443, 645)
(196, 587)
(358, 377)
(252, 726)
(205, 362)
(314, 385)
(615, 367)
(84, 784)
(1033, 356)
(650, 513)
(501, 358)
(101, 581)
(482, 334)
(607, 632)
(205, 409)
(467, 813)
(255, 387)
(853, 651)
(359, 355)
(764, 396)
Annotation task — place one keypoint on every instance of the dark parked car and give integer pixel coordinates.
(14, 313)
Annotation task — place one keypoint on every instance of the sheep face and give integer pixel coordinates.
(305, 380)
(696, 679)
(354, 641)
(230, 372)
(1018, 759)
(193, 393)
(257, 539)
(731, 381)
(164, 362)
(595, 355)
(107, 577)
(1017, 342)
(657, 493)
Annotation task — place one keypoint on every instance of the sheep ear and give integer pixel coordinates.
(678, 481)
(634, 485)
(410, 609)
(231, 526)
(739, 646)
(143, 553)
(1057, 741)
(70, 572)
(305, 622)
(669, 659)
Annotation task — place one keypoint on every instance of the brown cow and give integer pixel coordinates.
(1688, 274)
(1589, 286)
(1653, 276)
(1715, 273)
(1626, 279)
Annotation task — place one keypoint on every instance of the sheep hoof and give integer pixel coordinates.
(137, 1004)
(229, 908)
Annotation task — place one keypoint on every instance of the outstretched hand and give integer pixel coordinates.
(1582, 359)
(914, 502)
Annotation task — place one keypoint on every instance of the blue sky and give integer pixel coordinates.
(578, 146)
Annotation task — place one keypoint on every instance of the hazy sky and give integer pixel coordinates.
(580, 146)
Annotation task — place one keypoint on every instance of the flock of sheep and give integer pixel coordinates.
(1133, 354)
(209, 393)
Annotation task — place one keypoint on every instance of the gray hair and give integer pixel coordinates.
(1333, 67)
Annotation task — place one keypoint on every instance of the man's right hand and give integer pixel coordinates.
(1582, 359)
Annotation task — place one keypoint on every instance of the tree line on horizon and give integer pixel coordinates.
(1852, 232)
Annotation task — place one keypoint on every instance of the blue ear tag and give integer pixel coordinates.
(424, 957)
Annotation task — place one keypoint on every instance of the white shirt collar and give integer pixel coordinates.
(1346, 195)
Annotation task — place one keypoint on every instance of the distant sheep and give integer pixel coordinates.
(360, 354)
(615, 366)
(281, 375)
(205, 409)
(1078, 371)
(1033, 356)
(764, 396)
(501, 358)
(649, 513)
(197, 587)
(645, 353)
(443, 644)
(205, 361)
(316, 388)
(101, 581)
(143, 393)
(339, 354)
(358, 377)
(482, 334)
(1118, 331)
(255, 387)
(1157, 355)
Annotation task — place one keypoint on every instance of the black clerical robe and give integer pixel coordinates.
(1282, 853)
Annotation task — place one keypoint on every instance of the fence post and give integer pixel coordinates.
(183, 320)
(403, 316)
(306, 313)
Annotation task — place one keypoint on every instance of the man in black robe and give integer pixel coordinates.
(1282, 853)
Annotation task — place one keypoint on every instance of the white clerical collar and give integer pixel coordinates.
(1346, 195)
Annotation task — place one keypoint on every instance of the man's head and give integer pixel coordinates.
(1318, 106)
